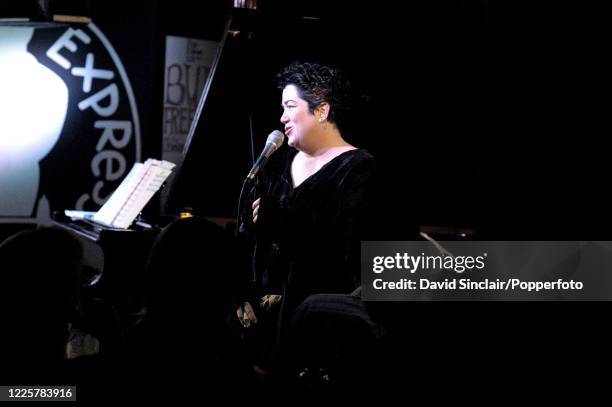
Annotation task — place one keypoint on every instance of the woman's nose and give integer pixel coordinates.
(284, 118)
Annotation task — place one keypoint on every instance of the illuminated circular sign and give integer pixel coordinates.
(69, 127)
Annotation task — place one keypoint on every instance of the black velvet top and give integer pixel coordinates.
(307, 239)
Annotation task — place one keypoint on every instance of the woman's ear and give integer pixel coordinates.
(322, 112)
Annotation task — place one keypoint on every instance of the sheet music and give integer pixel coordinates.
(132, 195)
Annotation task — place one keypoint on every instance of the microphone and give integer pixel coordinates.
(274, 141)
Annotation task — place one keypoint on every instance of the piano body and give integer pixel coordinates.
(113, 262)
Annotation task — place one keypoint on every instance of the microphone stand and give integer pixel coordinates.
(239, 215)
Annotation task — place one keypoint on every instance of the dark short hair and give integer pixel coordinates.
(318, 83)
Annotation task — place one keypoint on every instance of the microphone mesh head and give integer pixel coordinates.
(276, 137)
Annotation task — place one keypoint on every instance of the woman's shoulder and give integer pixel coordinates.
(353, 166)
(363, 154)
(357, 157)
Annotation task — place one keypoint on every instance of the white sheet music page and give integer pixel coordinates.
(109, 211)
(132, 195)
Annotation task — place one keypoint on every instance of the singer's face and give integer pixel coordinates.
(298, 120)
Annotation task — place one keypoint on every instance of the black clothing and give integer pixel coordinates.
(307, 239)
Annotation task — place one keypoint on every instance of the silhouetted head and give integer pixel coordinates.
(39, 290)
